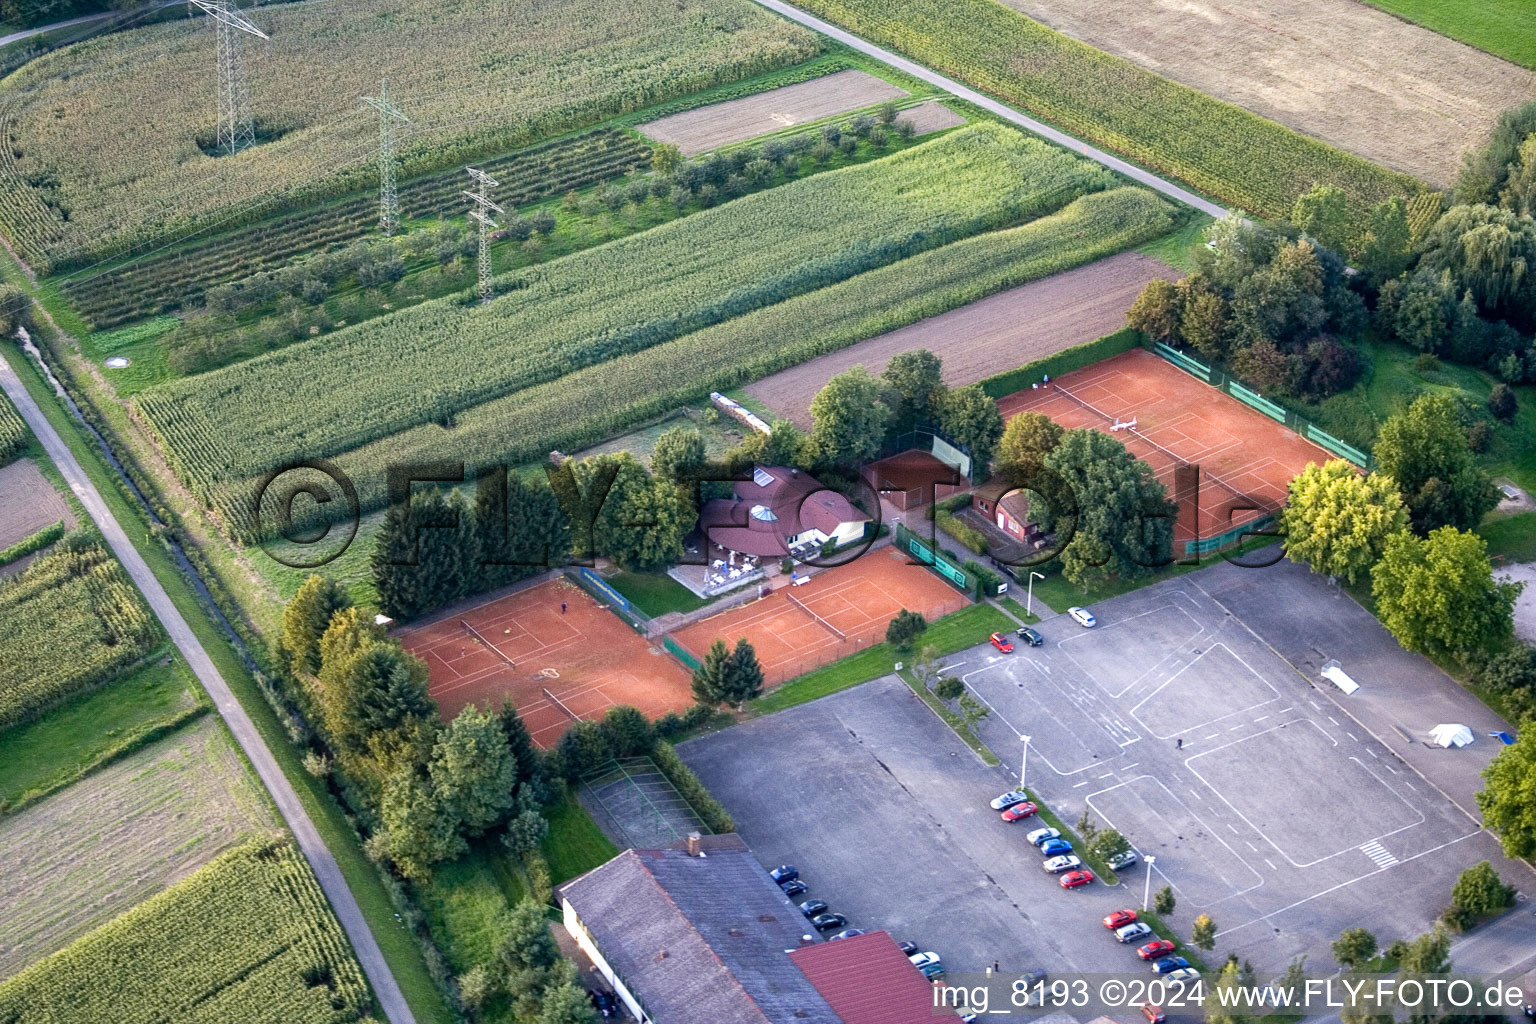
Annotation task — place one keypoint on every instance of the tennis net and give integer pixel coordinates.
(486, 643)
(802, 606)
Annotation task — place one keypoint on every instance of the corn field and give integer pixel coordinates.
(599, 401)
(72, 621)
(248, 939)
(13, 431)
(1222, 149)
(429, 363)
(180, 277)
(104, 145)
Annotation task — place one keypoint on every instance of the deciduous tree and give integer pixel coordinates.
(1337, 521)
(1386, 250)
(969, 416)
(1480, 891)
(905, 629)
(1354, 947)
(1425, 449)
(1163, 901)
(1027, 439)
(305, 618)
(1203, 932)
(1323, 214)
(914, 379)
(1437, 595)
(1508, 798)
(473, 772)
(1124, 520)
(850, 417)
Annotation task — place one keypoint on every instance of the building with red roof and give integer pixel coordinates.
(867, 979)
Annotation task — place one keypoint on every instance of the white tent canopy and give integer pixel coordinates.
(1451, 735)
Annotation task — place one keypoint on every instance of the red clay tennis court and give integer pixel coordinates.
(554, 667)
(839, 612)
(1245, 458)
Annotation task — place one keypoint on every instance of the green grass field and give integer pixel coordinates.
(575, 845)
(1505, 28)
(655, 593)
(42, 755)
(1514, 537)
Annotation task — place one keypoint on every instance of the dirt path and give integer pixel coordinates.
(28, 502)
(998, 333)
(327, 871)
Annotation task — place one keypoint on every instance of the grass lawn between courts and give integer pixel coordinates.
(655, 594)
(965, 628)
(43, 756)
(400, 949)
(1059, 593)
(574, 845)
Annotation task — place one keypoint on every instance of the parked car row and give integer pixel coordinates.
(1127, 927)
(1003, 642)
(823, 919)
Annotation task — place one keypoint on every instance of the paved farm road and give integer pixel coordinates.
(954, 88)
(314, 849)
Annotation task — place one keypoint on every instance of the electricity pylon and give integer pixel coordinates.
(482, 201)
(236, 131)
(389, 204)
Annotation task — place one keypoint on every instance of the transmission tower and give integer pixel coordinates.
(389, 204)
(482, 200)
(231, 27)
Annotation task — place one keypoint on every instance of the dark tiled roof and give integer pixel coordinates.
(699, 938)
(797, 501)
(868, 980)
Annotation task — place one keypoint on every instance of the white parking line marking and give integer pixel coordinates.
(1107, 775)
(1271, 864)
(1261, 718)
(1315, 705)
(1232, 827)
(1255, 849)
(1196, 794)
(1083, 783)
(1236, 727)
(1391, 769)
(1379, 854)
(1373, 753)
(1213, 735)
(1410, 785)
(1351, 735)
(1128, 767)
(1330, 718)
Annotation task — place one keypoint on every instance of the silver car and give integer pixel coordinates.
(1041, 835)
(1066, 862)
(1133, 931)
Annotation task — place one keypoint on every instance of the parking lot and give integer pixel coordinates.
(1278, 814)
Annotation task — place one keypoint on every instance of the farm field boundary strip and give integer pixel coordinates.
(588, 405)
(246, 937)
(1222, 149)
(101, 143)
(432, 361)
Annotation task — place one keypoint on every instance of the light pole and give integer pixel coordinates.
(1029, 599)
(1024, 768)
(1146, 896)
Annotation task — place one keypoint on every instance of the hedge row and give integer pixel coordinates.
(1062, 362)
(685, 782)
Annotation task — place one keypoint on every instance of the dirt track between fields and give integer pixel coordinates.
(1001, 332)
(720, 124)
(28, 503)
(1351, 75)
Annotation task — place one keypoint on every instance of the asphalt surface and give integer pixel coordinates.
(84, 19)
(1278, 815)
(385, 988)
(1282, 814)
(1007, 113)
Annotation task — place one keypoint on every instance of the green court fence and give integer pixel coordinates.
(594, 584)
(1295, 421)
(925, 553)
(680, 653)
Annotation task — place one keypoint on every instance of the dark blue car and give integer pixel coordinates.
(1168, 963)
(1055, 847)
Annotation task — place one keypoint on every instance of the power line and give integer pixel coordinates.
(389, 203)
(236, 131)
(482, 201)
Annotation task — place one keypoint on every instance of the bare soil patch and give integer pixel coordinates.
(999, 333)
(931, 117)
(720, 124)
(28, 502)
(117, 837)
(1348, 74)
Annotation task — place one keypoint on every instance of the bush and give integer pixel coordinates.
(862, 125)
(1480, 892)
(1480, 436)
(966, 534)
(987, 581)
(905, 629)
(1502, 403)
(685, 782)
(949, 688)
(887, 111)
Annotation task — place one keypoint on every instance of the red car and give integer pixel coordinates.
(1073, 879)
(1018, 812)
(1153, 1013)
(1119, 919)
(1153, 950)
(1001, 642)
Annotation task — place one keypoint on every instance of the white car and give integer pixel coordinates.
(1041, 835)
(1083, 616)
(1066, 862)
(929, 963)
(1185, 974)
(1133, 931)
